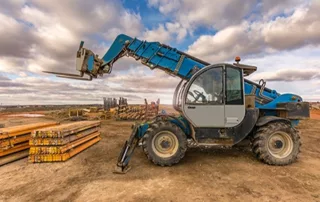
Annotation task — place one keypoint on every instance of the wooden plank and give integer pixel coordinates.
(61, 141)
(23, 129)
(61, 149)
(65, 129)
(17, 148)
(34, 158)
(13, 157)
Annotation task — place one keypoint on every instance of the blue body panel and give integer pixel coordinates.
(116, 48)
(90, 63)
(142, 129)
(157, 55)
(179, 121)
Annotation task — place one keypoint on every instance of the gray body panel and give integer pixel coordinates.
(234, 114)
(236, 134)
(205, 115)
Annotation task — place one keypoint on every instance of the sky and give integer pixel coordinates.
(281, 38)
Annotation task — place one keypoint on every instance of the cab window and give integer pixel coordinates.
(234, 86)
(207, 88)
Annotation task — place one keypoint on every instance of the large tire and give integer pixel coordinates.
(276, 143)
(164, 143)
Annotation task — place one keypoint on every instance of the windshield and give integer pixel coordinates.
(207, 88)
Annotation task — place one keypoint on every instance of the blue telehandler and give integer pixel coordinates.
(217, 106)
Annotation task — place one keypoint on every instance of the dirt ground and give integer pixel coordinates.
(203, 175)
(315, 114)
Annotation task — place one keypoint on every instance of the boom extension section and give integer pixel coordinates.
(156, 55)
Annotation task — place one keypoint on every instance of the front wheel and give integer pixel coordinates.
(164, 143)
(276, 143)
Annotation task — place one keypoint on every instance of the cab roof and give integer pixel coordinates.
(247, 69)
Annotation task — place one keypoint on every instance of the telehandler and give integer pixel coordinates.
(217, 106)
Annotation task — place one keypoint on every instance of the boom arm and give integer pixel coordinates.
(157, 55)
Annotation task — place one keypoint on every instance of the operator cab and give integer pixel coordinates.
(214, 96)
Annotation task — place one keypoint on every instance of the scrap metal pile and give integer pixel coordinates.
(14, 141)
(62, 142)
(138, 112)
(315, 105)
(112, 108)
(109, 103)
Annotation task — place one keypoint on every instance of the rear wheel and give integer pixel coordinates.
(276, 143)
(164, 143)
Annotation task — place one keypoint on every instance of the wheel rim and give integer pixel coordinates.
(165, 144)
(280, 144)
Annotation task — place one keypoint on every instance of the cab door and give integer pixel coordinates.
(203, 103)
(214, 97)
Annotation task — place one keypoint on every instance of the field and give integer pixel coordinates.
(203, 175)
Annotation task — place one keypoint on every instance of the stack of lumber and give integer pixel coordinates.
(14, 141)
(62, 142)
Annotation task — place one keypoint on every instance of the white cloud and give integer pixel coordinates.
(177, 29)
(44, 35)
(282, 33)
(11, 7)
(288, 75)
(159, 34)
(211, 13)
(271, 8)
(12, 65)
(48, 34)
(139, 78)
(165, 6)
(301, 28)
(165, 33)
(302, 58)
(3, 78)
(226, 44)
(15, 37)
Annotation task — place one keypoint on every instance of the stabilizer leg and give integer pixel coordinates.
(122, 166)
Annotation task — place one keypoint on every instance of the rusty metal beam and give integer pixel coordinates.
(11, 142)
(23, 129)
(13, 157)
(65, 129)
(62, 149)
(17, 148)
(61, 141)
(34, 158)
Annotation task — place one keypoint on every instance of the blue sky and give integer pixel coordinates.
(282, 38)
